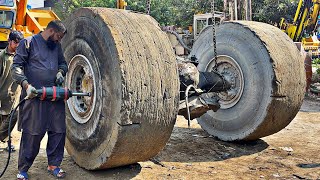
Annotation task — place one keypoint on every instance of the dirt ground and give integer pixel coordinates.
(293, 153)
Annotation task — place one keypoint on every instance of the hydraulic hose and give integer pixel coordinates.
(180, 40)
(9, 136)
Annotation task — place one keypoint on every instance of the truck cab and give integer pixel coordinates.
(7, 18)
(200, 21)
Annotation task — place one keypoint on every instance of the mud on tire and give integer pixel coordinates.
(268, 78)
(127, 63)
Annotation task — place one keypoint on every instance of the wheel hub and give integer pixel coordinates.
(81, 78)
(231, 71)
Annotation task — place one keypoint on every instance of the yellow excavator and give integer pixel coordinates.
(305, 26)
(14, 15)
(305, 31)
(121, 4)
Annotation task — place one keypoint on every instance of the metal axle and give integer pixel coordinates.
(80, 94)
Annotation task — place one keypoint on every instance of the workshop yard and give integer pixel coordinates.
(293, 153)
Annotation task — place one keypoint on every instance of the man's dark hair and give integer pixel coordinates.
(15, 36)
(57, 25)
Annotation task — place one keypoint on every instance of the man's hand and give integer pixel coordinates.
(59, 79)
(31, 92)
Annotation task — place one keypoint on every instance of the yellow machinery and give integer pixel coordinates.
(304, 27)
(121, 4)
(14, 15)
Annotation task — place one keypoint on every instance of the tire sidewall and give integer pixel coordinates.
(245, 116)
(92, 38)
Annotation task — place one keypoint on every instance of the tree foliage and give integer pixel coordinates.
(180, 12)
(65, 7)
(271, 11)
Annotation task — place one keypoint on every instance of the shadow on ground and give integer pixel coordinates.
(311, 165)
(127, 172)
(195, 145)
(38, 170)
(124, 172)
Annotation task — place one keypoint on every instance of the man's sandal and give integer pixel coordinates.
(22, 176)
(57, 172)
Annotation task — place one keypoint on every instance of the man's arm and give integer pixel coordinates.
(62, 64)
(2, 67)
(2, 62)
(19, 61)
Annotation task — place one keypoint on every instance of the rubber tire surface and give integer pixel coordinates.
(138, 87)
(274, 79)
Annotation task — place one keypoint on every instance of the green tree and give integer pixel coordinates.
(181, 12)
(166, 12)
(64, 8)
(271, 11)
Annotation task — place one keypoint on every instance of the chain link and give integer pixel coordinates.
(214, 46)
(148, 5)
(214, 32)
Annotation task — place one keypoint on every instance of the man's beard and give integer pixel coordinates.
(51, 44)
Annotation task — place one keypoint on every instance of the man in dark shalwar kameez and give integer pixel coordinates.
(39, 62)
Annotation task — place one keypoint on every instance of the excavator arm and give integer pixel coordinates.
(304, 25)
(21, 12)
(33, 20)
(304, 17)
(121, 4)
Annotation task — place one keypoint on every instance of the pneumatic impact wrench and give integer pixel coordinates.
(55, 93)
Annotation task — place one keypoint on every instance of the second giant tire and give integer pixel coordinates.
(267, 75)
(128, 65)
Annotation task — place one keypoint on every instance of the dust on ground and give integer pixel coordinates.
(293, 153)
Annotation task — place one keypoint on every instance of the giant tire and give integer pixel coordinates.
(127, 63)
(269, 85)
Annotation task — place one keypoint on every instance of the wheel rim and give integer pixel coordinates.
(231, 71)
(81, 79)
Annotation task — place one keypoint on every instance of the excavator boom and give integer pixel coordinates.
(304, 26)
(121, 4)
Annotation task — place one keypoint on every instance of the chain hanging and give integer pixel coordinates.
(214, 44)
(214, 32)
(148, 5)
